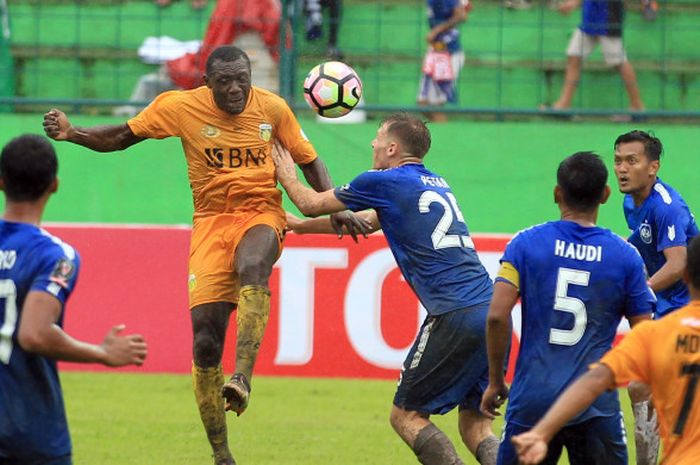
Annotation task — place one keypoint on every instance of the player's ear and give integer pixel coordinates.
(54, 186)
(2, 184)
(606, 195)
(205, 78)
(654, 167)
(557, 194)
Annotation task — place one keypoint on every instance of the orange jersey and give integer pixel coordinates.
(228, 157)
(666, 355)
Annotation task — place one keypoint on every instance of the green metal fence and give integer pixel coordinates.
(83, 54)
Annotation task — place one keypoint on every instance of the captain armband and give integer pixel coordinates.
(510, 274)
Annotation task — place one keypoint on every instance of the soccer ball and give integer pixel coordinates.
(332, 89)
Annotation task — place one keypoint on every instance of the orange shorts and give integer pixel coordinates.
(212, 277)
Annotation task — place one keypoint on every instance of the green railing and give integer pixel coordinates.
(83, 54)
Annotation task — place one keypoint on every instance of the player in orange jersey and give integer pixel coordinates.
(227, 128)
(664, 354)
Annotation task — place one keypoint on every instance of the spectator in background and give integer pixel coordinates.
(196, 4)
(601, 23)
(444, 57)
(229, 20)
(314, 24)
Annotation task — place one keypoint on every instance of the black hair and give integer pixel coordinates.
(226, 53)
(653, 148)
(28, 166)
(694, 262)
(582, 178)
(411, 131)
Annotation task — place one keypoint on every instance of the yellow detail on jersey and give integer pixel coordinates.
(510, 274)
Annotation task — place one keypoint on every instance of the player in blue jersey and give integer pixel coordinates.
(37, 274)
(660, 221)
(446, 366)
(661, 227)
(576, 281)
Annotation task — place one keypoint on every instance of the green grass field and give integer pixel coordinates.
(135, 419)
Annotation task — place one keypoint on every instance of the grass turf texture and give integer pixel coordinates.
(135, 419)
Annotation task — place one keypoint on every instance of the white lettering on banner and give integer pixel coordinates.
(362, 311)
(296, 304)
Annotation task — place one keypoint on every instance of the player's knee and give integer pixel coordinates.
(207, 350)
(255, 270)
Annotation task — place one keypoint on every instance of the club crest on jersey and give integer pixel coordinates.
(645, 233)
(265, 132)
(62, 272)
(210, 131)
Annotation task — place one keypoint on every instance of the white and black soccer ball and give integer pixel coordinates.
(332, 89)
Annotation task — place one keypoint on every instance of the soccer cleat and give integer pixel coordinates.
(237, 393)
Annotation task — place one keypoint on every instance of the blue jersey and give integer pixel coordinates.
(32, 417)
(663, 220)
(575, 284)
(426, 233)
(440, 11)
(602, 17)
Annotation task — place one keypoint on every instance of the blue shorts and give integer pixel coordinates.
(597, 441)
(447, 365)
(63, 460)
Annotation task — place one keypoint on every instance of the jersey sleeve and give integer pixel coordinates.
(671, 224)
(629, 360)
(640, 299)
(512, 256)
(160, 119)
(58, 273)
(365, 191)
(291, 135)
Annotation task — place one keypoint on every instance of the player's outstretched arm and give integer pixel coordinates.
(99, 138)
(39, 333)
(308, 201)
(532, 445)
(316, 174)
(322, 225)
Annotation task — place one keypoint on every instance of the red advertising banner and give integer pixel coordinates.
(339, 309)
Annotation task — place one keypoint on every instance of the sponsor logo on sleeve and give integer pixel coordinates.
(62, 272)
(672, 232)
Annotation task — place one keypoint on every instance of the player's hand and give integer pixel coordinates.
(349, 222)
(530, 447)
(493, 399)
(284, 164)
(123, 350)
(293, 221)
(56, 125)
